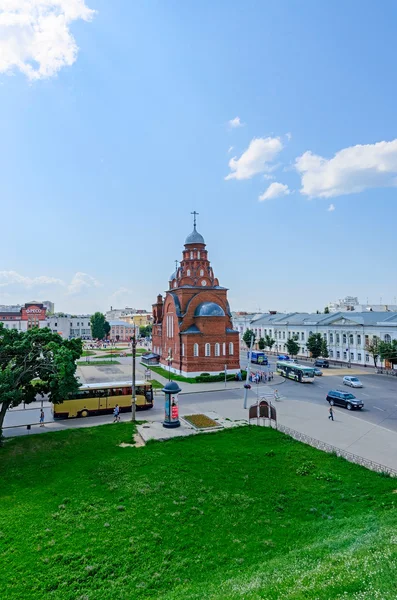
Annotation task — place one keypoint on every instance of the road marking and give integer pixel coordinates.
(362, 393)
(377, 407)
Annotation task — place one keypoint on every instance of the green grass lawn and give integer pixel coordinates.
(97, 363)
(242, 514)
(156, 384)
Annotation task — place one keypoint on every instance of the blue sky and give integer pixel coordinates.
(107, 146)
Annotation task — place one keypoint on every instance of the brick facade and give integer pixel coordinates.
(193, 322)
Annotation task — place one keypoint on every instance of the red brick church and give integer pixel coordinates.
(192, 324)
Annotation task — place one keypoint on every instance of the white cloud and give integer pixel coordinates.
(331, 208)
(230, 149)
(350, 171)
(288, 136)
(81, 281)
(275, 190)
(35, 36)
(256, 159)
(8, 278)
(236, 122)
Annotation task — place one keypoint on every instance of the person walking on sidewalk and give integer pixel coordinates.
(116, 414)
(41, 418)
(331, 413)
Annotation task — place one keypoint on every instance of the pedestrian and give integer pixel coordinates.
(331, 413)
(116, 413)
(41, 418)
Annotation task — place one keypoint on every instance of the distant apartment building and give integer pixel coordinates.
(140, 319)
(116, 313)
(351, 304)
(70, 326)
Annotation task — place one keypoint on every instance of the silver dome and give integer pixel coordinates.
(209, 309)
(195, 237)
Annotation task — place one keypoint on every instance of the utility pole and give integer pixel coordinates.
(133, 399)
(248, 373)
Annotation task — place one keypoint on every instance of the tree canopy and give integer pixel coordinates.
(324, 349)
(315, 344)
(247, 337)
(261, 343)
(34, 362)
(388, 351)
(292, 346)
(373, 349)
(100, 328)
(269, 342)
(145, 331)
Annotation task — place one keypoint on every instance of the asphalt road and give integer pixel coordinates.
(379, 396)
(379, 393)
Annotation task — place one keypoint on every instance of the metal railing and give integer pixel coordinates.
(359, 460)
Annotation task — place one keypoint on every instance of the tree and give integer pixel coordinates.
(292, 346)
(145, 330)
(106, 328)
(326, 310)
(388, 351)
(314, 344)
(269, 342)
(247, 338)
(373, 348)
(324, 349)
(261, 343)
(34, 362)
(100, 328)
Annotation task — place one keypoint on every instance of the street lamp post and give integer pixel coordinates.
(133, 399)
(169, 360)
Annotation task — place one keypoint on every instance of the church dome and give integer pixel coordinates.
(194, 238)
(209, 309)
(173, 276)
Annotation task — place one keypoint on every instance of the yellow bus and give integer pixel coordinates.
(101, 398)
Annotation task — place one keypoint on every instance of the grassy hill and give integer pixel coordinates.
(242, 514)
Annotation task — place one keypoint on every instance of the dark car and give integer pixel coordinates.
(283, 357)
(320, 362)
(344, 399)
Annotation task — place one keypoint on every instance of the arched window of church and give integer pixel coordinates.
(195, 350)
(224, 349)
(188, 273)
(201, 272)
(208, 350)
(217, 350)
(231, 349)
(198, 254)
(191, 255)
(175, 284)
(183, 350)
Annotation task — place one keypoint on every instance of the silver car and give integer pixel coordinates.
(352, 381)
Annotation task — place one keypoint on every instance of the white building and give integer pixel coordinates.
(346, 333)
(115, 314)
(70, 326)
(351, 303)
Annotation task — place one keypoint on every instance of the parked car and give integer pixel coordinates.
(352, 381)
(321, 362)
(317, 372)
(344, 399)
(283, 357)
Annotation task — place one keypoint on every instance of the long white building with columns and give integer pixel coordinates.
(347, 333)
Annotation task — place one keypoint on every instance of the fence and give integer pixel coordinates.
(359, 460)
